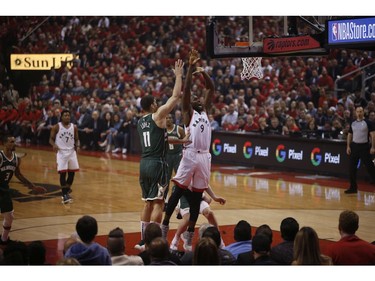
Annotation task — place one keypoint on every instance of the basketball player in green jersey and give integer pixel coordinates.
(176, 139)
(176, 135)
(154, 141)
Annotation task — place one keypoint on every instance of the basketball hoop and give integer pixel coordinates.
(252, 67)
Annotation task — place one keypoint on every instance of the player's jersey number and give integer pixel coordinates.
(146, 139)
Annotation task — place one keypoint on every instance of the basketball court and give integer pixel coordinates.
(107, 188)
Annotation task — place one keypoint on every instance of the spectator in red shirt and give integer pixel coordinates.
(254, 104)
(26, 124)
(290, 126)
(267, 86)
(220, 102)
(350, 249)
(240, 125)
(350, 82)
(259, 97)
(340, 111)
(325, 81)
(261, 113)
(326, 97)
(3, 114)
(293, 110)
(302, 87)
(11, 116)
(366, 59)
(250, 125)
(277, 83)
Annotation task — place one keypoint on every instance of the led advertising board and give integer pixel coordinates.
(354, 31)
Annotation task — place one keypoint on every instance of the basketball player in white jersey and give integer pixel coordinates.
(195, 165)
(64, 140)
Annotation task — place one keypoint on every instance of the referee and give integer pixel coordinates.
(358, 148)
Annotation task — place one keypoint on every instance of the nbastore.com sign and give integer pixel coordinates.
(351, 31)
(40, 61)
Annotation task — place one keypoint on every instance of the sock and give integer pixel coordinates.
(175, 240)
(64, 190)
(70, 178)
(222, 244)
(5, 234)
(144, 224)
(63, 179)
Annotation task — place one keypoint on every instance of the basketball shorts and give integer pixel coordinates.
(67, 161)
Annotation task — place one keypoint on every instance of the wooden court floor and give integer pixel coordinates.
(107, 188)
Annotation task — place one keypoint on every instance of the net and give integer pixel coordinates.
(252, 67)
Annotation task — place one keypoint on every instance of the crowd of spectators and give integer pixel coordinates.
(120, 59)
(298, 246)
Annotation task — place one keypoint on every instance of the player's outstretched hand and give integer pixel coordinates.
(220, 200)
(186, 140)
(21, 154)
(194, 57)
(178, 67)
(198, 69)
(38, 189)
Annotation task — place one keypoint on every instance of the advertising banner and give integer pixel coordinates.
(312, 156)
(351, 31)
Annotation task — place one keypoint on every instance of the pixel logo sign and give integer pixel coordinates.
(247, 150)
(316, 157)
(217, 147)
(280, 153)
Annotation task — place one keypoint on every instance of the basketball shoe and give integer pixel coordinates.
(187, 237)
(140, 246)
(174, 244)
(66, 199)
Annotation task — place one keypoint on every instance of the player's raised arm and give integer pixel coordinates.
(165, 109)
(186, 97)
(210, 90)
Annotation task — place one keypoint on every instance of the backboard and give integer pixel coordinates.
(266, 36)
